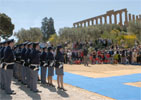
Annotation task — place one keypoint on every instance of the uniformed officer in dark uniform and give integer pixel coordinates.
(1, 46)
(8, 67)
(27, 63)
(15, 65)
(34, 65)
(59, 67)
(2, 64)
(51, 63)
(18, 62)
(23, 62)
(43, 59)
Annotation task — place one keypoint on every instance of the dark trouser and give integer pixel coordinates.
(19, 71)
(34, 79)
(28, 76)
(85, 60)
(2, 78)
(8, 78)
(15, 70)
(43, 74)
(30, 82)
(23, 75)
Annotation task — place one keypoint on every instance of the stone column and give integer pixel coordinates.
(73, 25)
(81, 24)
(133, 16)
(115, 18)
(101, 20)
(137, 18)
(84, 24)
(120, 23)
(88, 23)
(92, 22)
(96, 21)
(110, 19)
(126, 19)
(129, 17)
(77, 24)
(105, 18)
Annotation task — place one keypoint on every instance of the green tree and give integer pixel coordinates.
(51, 29)
(47, 28)
(32, 35)
(92, 33)
(135, 28)
(6, 26)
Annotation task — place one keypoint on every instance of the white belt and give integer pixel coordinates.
(45, 64)
(1, 65)
(44, 61)
(7, 64)
(51, 64)
(23, 63)
(22, 60)
(36, 66)
(61, 65)
(17, 61)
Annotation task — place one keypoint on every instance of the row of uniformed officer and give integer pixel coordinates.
(28, 60)
(47, 61)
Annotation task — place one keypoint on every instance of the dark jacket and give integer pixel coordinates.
(23, 54)
(43, 58)
(50, 56)
(59, 57)
(34, 56)
(9, 56)
(27, 53)
(18, 55)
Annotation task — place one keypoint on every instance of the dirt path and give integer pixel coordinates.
(103, 70)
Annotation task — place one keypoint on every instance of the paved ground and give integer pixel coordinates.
(73, 93)
(49, 93)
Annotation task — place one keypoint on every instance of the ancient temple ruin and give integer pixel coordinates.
(113, 17)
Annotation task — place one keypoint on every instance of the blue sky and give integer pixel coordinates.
(29, 13)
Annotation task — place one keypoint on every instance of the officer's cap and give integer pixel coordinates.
(50, 48)
(29, 43)
(59, 47)
(11, 40)
(4, 42)
(35, 44)
(25, 43)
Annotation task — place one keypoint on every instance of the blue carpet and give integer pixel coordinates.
(113, 87)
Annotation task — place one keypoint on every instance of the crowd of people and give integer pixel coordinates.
(84, 53)
(23, 61)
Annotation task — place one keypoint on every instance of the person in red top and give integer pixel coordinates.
(108, 57)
